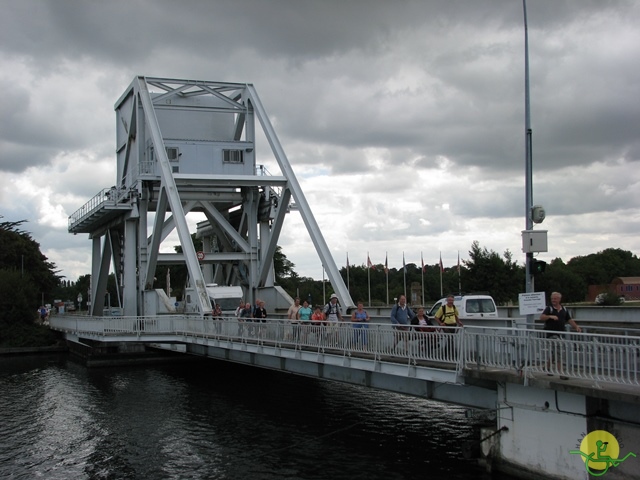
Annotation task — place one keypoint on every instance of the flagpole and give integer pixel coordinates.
(441, 269)
(404, 274)
(348, 287)
(422, 274)
(459, 278)
(369, 276)
(386, 271)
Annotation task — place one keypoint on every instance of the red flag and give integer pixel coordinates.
(441, 267)
(369, 264)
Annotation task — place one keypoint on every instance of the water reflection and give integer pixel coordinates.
(216, 420)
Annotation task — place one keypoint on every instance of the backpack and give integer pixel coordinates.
(444, 311)
(328, 310)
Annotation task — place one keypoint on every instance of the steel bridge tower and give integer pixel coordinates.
(189, 146)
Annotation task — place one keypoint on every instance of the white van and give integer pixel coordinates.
(229, 297)
(469, 306)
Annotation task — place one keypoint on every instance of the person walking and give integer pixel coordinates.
(304, 316)
(449, 317)
(260, 315)
(401, 315)
(555, 318)
(425, 335)
(333, 314)
(360, 318)
(292, 316)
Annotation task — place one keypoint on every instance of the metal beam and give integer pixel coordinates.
(225, 225)
(174, 199)
(305, 210)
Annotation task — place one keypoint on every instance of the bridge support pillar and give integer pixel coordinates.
(553, 428)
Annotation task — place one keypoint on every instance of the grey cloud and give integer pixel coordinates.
(390, 92)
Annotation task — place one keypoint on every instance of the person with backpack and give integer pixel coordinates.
(448, 316)
(44, 314)
(555, 318)
(333, 314)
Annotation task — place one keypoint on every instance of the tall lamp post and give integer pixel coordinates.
(531, 241)
(528, 152)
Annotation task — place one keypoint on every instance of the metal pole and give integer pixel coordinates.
(324, 294)
(528, 157)
(422, 277)
(369, 277)
(404, 275)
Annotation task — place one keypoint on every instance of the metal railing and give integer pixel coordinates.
(106, 196)
(587, 356)
(528, 352)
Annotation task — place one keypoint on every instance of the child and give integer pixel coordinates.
(318, 317)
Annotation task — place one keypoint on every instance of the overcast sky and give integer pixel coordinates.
(403, 120)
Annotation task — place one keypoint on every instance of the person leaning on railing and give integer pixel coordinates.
(555, 317)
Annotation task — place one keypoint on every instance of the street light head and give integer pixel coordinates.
(538, 214)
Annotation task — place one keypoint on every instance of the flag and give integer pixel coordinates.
(347, 260)
(422, 261)
(458, 263)
(441, 267)
(369, 264)
(404, 266)
(386, 266)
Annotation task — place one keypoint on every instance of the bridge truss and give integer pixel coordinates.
(188, 146)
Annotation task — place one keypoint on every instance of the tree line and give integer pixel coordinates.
(485, 271)
(28, 279)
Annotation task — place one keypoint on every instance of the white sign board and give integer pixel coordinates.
(531, 303)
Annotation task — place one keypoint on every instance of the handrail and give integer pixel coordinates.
(529, 352)
(106, 196)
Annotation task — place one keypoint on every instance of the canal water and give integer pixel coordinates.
(216, 420)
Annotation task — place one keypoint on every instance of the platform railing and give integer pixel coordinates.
(528, 352)
(105, 197)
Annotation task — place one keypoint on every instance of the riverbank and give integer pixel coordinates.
(34, 350)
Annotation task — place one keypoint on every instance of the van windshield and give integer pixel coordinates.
(480, 305)
(227, 304)
(434, 309)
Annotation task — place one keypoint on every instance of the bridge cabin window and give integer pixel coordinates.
(173, 154)
(232, 156)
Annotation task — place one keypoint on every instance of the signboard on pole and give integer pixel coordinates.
(531, 303)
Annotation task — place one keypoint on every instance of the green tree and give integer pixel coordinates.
(20, 252)
(559, 278)
(602, 267)
(487, 271)
(282, 266)
(26, 279)
(16, 298)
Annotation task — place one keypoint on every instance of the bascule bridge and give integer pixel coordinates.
(185, 146)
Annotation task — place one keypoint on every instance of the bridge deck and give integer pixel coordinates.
(602, 364)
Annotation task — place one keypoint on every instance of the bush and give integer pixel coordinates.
(15, 335)
(609, 299)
